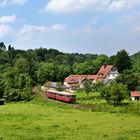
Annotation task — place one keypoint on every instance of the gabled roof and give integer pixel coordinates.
(92, 77)
(75, 78)
(135, 94)
(102, 74)
(104, 71)
(72, 79)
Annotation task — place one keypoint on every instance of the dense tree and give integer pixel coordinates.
(122, 61)
(21, 65)
(136, 62)
(84, 68)
(2, 46)
(63, 72)
(47, 72)
(2, 86)
(111, 60)
(17, 86)
(20, 69)
(130, 79)
(4, 58)
(101, 60)
(115, 93)
(87, 86)
(24, 84)
(96, 87)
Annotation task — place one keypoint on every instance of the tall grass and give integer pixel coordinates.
(43, 119)
(94, 102)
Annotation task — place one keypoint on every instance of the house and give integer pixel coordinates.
(106, 74)
(74, 81)
(135, 95)
(108, 71)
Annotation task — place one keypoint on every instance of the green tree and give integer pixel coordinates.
(136, 64)
(106, 93)
(3, 58)
(115, 93)
(17, 85)
(22, 65)
(96, 87)
(11, 55)
(10, 92)
(2, 86)
(63, 72)
(101, 60)
(87, 86)
(47, 72)
(122, 61)
(2, 46)
(24, 85)
(130, 79)
(85, 68)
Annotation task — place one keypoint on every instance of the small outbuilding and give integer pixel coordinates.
(135, 95)
(2, 101)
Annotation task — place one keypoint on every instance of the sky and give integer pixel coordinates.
(83, 26)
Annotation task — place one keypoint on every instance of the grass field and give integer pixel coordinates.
(46, 120)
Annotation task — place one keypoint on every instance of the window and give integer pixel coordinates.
(137, 98)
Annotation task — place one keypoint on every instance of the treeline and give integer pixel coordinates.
(20, 70)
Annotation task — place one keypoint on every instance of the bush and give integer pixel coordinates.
(114, 93)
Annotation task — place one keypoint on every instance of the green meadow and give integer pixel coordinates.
(42, 119)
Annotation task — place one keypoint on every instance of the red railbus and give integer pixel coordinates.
(61, 96)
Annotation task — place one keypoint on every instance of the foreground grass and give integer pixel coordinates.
(46, 120)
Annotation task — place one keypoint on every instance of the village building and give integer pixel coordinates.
(106, 74)
(108, 71)
(74, 81)
(135, 95)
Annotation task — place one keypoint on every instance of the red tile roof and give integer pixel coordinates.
(72, 79)
(104, 71)
(92, 77)
(135, 94)
(75, 78)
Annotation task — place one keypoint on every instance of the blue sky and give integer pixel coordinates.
(84, 26)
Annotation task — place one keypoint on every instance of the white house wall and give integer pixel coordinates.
(133, 98)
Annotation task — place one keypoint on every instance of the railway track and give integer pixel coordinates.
(75, 105)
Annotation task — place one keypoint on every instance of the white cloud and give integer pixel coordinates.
(117, 5)
(12, 2)
(33, 29)
(130, 17)
(7, 19)
(32, 36)
(66, 6)
(85, 39)
(69, 5)
(4, 30)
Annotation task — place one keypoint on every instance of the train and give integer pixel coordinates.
(61, 96)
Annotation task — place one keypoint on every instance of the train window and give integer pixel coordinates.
(51, 93)
(59, 95)
(64, 95)
(71, 96)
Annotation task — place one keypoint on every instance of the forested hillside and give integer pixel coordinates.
(20, 70)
